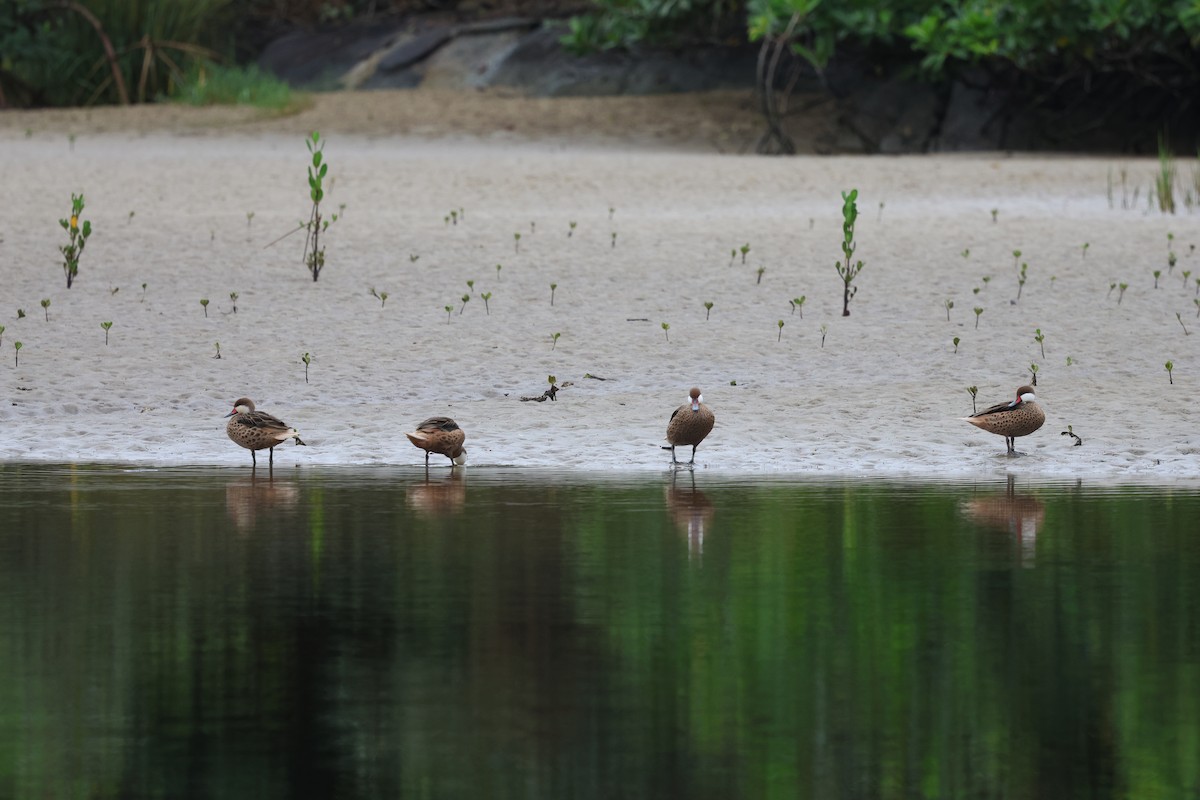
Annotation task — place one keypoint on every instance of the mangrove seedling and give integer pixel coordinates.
(554, 340)
(314, 253)
(532, 227)
(1033, 370)
(17, 354)
(113, 290)
(570, 229)
(412, 258)
(453, 217)
(1171, 261)
(966, 253)
(824, 330)
(798, 304)
(1071, 432)
(879, 218)
(973, 390)
(383, 296)
(1157, 273)
(745, 250)
(553, 286)
(233, 296)
(106, 326)
(707, 310)
(760, 271)
(470, 286)
(666, 328)
(611, 211)
(46, 307)
(986, 279)
(779, 338)
(204, 305)
(448, 310)
(1016, 257)
(1170, 365)
(1083, 253)
(732, 256)
(1121, 287)
(516, 242)
(20, 313)
(1021, 280)
(249, 218)
(1, 334)
(77, 236)
(614, 240)
(307, 359)
(466, 298)
(1111, 286)
(218, 346)
(848, 270)
(1040, 338)
(949, 305)
(978, 311)
(975, 290)
(1196, 301)
(956, 341)
(486, 296)
(129, 219)
(1187, 273)
(498, 268)
(995, 212)
(1179, 317)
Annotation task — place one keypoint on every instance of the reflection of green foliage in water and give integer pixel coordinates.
(374, 636)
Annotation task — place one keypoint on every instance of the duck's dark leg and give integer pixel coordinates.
(271, 459)
(693, 461)
(673, 461)
(1011, 441)
(426, 459)
(253, 459)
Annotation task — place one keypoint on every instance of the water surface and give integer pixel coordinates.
(374, 633)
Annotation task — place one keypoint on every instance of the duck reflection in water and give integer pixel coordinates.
(440, 497)
(690, 510)
(248, 500)
(1020, 515)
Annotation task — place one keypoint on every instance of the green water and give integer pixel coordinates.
(368, 634)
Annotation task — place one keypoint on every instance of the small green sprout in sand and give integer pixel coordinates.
(949, 304)
(532, 227)
(824, 330)
(665, 329)
(1196, 301)
(204, 305)
(1021, 279)
(1157, 275)
(412, 258)
(106, 326)
(130, 218)
(1083, 250)
(113, 290)
(570, 229)
(1111, 286)
(233, 298)
(466, 298)
(986, 280)
(732, 256)
(446, 220)
(798, 304)
(485, 296)
(470, 286)
(498, 268)
(614, 239)
(553, 286)
(745, 250)
(20, 313)
(77, 236)
(779, 338)
(448, 310)
(516, 242)
(973, 390)
(1121, 287)
(1179, 317)
(218, 346)
(1071, 432)
(1170, 365)
(966, 253)
(1, 334)
(956, 341)
(307, 359)
(1016, 257)
(978, 312)
(1170, 241)
(1198, 287)
(708, 310)
(1033, 370)
(453, 217)
(1070, 361)
(46, 307)
(17, 354)
(554, 340)
(611, 211)
(995, 213)
(1187, 273)
(1040, 338)
(760, 272)
(975, 290)
(249, 218)
(383, 296)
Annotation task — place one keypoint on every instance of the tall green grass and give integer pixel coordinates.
(209, 84)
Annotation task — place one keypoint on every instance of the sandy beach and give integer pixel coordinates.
(169, 198)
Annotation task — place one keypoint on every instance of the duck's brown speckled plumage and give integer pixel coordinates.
(1019, 417)
(440, 435)
(257, 430)
(689, 424)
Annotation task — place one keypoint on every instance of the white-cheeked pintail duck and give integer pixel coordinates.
(257, 430)
(1020, 417)
(689, 424)
(440, 435)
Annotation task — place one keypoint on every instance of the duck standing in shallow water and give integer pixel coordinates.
(257, 430)
(440, 435)
(1020, 417)
(689, 424)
